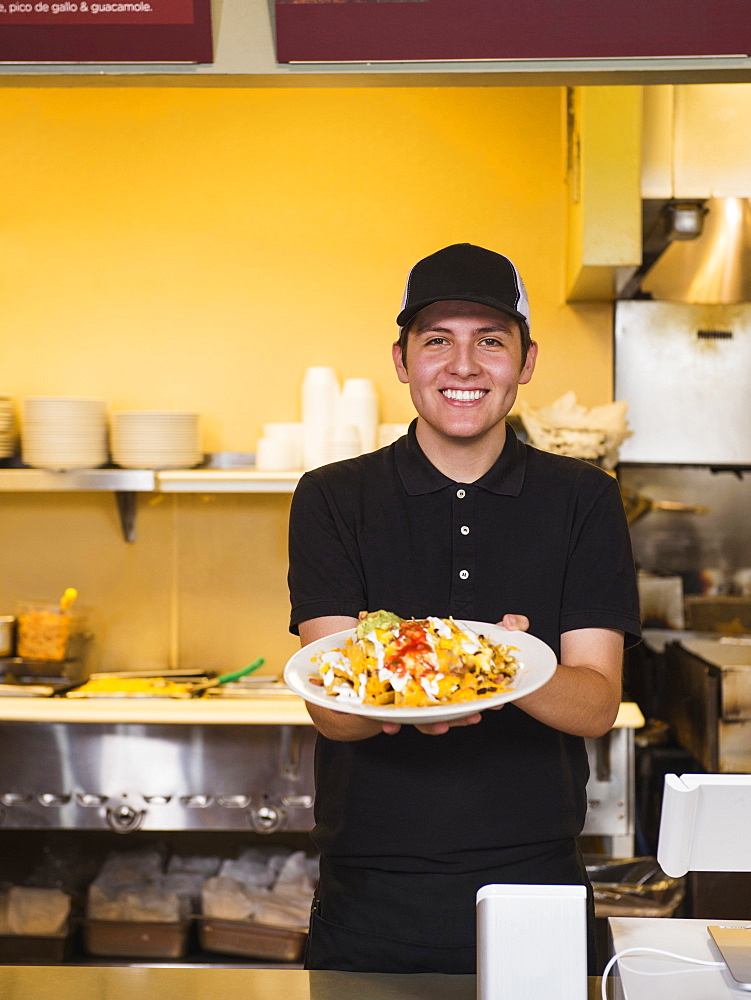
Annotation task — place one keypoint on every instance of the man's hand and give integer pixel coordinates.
(583, 695)
(515, 623)
(435, 728)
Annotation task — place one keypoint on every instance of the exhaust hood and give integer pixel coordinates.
(694, 251)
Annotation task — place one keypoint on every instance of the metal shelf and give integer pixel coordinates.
(106, 480)
(127, 483)
(225, 481)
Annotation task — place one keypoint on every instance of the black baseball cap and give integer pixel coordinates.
(464, 271)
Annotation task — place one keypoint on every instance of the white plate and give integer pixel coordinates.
(538, 659)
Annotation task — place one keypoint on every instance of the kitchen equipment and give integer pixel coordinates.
(36, 949)
(714, 263)
(253, 940)
(116, 685)
(136, 939)
(7, 635)
(26, 690)
(686, 373)
(660, 600)
(723, 613)
(708, 701)
(636, 505)
(49, 632)
(632, 887)
(123, 775)
(126, 776)
(227, 678)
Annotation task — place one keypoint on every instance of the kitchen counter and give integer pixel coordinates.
(81, 983)
(279, 711)
(286, 710)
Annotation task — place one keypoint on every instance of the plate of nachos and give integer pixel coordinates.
(421, 670)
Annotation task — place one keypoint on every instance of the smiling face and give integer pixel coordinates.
(463, 365)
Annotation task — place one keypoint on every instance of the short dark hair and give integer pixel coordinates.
(524, 333)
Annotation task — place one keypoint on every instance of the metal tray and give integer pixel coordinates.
(135, 939)
(252, 940)
(32, 949)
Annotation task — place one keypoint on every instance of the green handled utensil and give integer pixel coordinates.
(226, 678)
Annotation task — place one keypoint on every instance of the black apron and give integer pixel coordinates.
(367, 920)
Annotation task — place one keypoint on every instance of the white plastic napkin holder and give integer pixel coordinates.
(532, 942)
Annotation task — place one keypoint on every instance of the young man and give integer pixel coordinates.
(458, 518)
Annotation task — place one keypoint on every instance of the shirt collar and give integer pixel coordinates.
(418, 475)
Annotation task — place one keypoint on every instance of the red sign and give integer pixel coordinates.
(447, 30)
(105, 31)
(88, 12)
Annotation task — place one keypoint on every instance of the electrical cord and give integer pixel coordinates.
(651, 951)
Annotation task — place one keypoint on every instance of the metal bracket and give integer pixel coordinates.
(602, 757)
(126, 508)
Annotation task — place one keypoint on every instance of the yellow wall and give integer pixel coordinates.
(199, 248)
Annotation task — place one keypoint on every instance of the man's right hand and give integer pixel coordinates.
(343, 725)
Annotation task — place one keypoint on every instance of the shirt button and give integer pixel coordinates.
(464, 529)
(461, 494)
(463, 574)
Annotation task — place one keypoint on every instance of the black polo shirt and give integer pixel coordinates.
(538, 534)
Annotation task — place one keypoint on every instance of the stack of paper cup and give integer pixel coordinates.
(358, 405)
(320, 396)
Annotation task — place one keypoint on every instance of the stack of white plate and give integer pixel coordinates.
(155, 439)
(7, 427)
(63, 432)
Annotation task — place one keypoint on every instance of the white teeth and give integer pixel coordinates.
(463, 395)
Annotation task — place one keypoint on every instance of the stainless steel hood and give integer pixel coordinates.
(685, 370)
(695, 252)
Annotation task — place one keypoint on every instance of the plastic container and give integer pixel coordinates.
(633, 887)
(44, 632)
(135, 939)
(251, 940)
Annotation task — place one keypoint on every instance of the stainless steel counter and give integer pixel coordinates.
(239, 764)
(81, 983)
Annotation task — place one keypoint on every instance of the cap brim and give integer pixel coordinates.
(407, 315)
